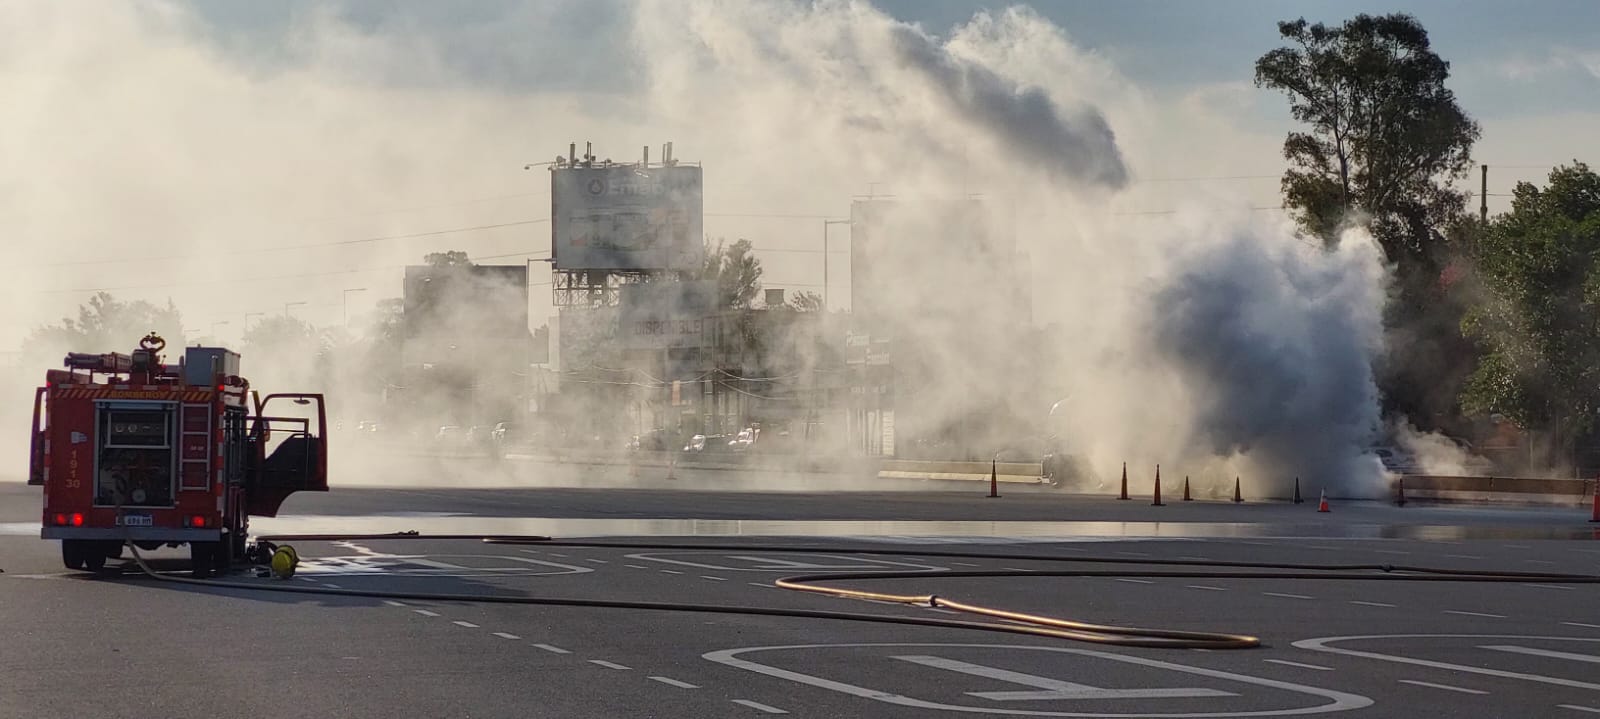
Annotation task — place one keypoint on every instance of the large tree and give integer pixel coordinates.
(736, 271)
(1381, 142)
(1541, 321)
(1384, 137)
(106, 324)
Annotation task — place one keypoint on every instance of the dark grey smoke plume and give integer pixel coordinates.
(1274, 346)
(1023, 120)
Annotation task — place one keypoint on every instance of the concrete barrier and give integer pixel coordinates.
(1531, 490)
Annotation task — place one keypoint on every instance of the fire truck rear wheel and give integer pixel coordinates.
(72, 553)
(95, 560)
(203, 558)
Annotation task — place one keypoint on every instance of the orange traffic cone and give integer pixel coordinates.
(1186, 496)
(1157, 501)
(1124, 494)
(1237, 495)
(1322, 505)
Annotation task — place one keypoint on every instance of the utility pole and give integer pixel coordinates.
(1483, 195)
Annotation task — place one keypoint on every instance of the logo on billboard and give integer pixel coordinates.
(597, 187)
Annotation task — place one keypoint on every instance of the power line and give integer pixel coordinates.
(1217, 178)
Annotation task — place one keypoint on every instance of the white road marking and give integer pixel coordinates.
(714, 579)
(597, 561)
(1445, 687)
(760, 584)
(1322, 644)
(670, 571)
(1464, 556)
(1578, 708)
(1016, 569)
(669, 681)
(1287, 596)
(557, 554)
(758, 706)
(1045, 688)
(425, 612)
(552, 649)
(1475, 614)
(1581, 624)
(1569, 656)
(394, 603)
(1132, 581)
(1538, 561)
(1517, 546)
(468, 625)
(941, 611)
(1133, 554)
(1206, 587)
(504, 635)
(1195, 559)
(636, 566)
(331, 586)
(1389, 551)
(1288, 663)
(606, 664)
(1548, 586)
(1371, 604)
(305, 579)
(531, 551)
(966, 564)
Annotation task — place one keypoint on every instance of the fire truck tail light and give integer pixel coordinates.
(77, 519)
(61, 519)
(198, 520)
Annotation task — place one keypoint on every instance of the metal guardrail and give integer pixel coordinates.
(1515, 485)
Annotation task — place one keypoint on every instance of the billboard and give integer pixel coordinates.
(666, 315)
(626, 218)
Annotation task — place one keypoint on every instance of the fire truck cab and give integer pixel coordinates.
(129, 449)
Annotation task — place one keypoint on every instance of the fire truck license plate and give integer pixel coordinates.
(134, 520)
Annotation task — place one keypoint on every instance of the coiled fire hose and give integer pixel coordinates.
(1020, 623)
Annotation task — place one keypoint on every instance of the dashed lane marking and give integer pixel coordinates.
(597, 561)
(393, 603)
(1195, 559)
(331, 586)
(1133, 554)
(1475, 614)
(1206, 587)
(1371, 604)
(758, 706)
(552, 649)
(468, 625)
(1445, 687)
(1388, 551)
(966, 564)
(1581, 624)
(1538, 561)
(608, 665)
(1549, 586)
(426, 613)
(1287, 596)
(1133, 581)
(636, 566)
(1288, 663)
(669, 681)
(670, 571)
(306, 579)
(941, 611)
(557, 554)
(504, 635)
(1464, 556)
(714, 579)
(1578, 708)
(759, 584)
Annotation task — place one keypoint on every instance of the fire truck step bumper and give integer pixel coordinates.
(137, 534)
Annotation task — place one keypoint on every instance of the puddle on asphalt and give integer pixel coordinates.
(1063, 531)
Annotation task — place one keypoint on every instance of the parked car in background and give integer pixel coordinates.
(1397, 460)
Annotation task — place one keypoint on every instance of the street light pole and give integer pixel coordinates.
(825, 257)
(346, 303)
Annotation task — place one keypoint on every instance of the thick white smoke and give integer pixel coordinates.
(1210, 341)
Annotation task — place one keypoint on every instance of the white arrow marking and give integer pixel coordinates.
(1053, 688)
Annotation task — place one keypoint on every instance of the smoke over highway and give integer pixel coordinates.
(1209, 340)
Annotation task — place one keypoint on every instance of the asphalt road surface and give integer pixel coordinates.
(74, 645)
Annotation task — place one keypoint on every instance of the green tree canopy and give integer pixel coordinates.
(736, 271)
(1540, 323)
(106, 324)
(449, 258)
(1384, 136)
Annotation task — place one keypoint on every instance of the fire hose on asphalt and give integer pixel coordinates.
(1020, 623)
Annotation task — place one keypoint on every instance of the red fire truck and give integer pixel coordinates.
(129, 449)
